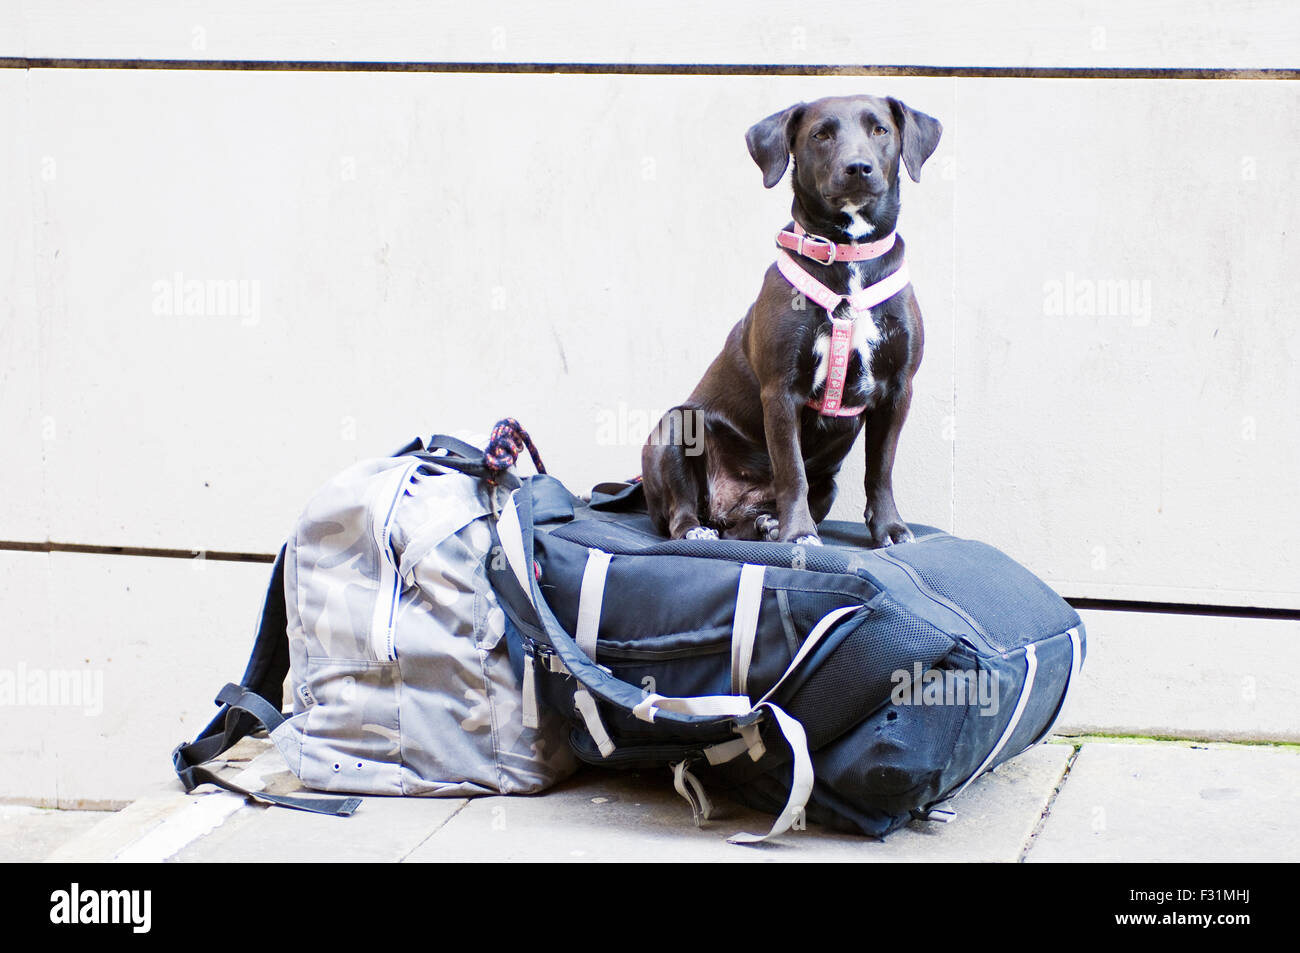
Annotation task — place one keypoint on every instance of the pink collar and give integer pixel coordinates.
(840, 349)
(824, 251)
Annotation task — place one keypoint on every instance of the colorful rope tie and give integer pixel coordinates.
(507, 442)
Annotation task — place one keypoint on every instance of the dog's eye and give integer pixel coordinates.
(879, 131)
(821, 135)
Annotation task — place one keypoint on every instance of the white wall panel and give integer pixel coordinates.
(28, 753)
(119, 659)
(1138, 446)
(1187, 676)
(22, 425)
(427, 252)
(1238, 34)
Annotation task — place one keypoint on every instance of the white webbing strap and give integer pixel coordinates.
(744, 626)
(1076, 660)
(726, 751)
(801, 784)
(1031, 667)
(750, 742)
(752, 735)
(590, 600)
(586, 706)
(531, 716)
(511, 535)
(689, 787)
(710, 705)
(814, 638)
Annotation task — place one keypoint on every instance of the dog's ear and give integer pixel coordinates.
(769, 142)
(920, 136)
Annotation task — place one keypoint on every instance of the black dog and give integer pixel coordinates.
(778, 410)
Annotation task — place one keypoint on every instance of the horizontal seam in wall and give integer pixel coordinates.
(1076, 602)
(22, 546)
(1184, 608)
(656, 69)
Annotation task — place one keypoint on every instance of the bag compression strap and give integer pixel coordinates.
(591, 600)
(513, 533)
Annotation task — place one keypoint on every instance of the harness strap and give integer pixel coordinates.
(841, 342)
(837, 371)
(859, 301)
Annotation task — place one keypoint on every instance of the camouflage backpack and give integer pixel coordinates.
(380, 612)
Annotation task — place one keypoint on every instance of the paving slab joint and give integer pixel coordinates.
(1051, 800)
(463, 804)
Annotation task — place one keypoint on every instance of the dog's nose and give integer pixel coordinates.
(858, 169)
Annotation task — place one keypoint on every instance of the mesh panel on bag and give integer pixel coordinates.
(613, 539)
(858, 674)
(1013, 606)
(808, 608)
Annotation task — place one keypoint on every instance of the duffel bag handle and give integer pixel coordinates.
(513, 533)
(516, 526)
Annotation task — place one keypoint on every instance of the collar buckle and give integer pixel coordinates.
(817, 242)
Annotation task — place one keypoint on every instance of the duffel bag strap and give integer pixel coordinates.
(801, 784)
(513, 533)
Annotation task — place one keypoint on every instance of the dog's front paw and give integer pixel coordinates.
(701, 532)
(769, 528)
(891, 534)
(808, 541)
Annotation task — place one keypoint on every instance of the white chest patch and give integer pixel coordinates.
(859, 228)
(866, 335)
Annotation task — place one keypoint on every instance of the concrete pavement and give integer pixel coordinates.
(1072, 799)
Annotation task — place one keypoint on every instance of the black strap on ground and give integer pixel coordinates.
(264, 677)
(240, 704)
(254, 703)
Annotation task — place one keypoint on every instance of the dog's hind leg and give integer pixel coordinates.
(820, 497)
(672, 469)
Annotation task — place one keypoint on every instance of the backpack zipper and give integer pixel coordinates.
(608, 653)
(987, 646)
(384, 618)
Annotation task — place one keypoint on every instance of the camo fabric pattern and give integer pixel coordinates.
(399, 672)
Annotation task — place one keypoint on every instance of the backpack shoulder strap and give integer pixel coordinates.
(254, 702)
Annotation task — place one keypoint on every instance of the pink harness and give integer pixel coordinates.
(860, 302)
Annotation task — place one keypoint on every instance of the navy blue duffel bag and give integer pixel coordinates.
(852, 687)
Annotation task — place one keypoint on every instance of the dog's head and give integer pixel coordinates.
(847, 151)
